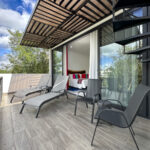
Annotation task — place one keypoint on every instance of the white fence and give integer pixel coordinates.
(6, 82)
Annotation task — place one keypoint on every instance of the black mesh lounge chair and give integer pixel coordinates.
(43, 85)
(122, 119)
(91, 95)
(58, 90)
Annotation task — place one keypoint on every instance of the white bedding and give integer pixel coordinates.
(74, 83)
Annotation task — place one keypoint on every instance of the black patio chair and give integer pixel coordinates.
(91, 95)
(120, 118)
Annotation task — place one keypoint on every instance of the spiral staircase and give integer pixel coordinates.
(131, 21)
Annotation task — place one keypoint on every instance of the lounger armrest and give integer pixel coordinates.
(112, 100)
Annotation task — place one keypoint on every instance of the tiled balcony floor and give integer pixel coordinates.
(58, 129)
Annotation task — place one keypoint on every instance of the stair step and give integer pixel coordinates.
(139, 51)
(145, 60)
(133, 38)
(131, 4)
(127, 23)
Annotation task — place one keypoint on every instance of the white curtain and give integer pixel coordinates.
(64, 60)
(50, 65)
(93, 66)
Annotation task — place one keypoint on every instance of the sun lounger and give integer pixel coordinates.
(43, 85)
(58, 89)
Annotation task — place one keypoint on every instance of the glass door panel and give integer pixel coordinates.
(57, 63)
(120, 73)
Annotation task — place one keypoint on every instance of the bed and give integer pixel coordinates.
(78, 79)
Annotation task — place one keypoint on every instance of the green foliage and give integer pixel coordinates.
(24, 59)
(4, 71)
(57, 62)
(123, 65)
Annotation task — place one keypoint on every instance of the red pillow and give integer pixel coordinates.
(74, 76)
(83, 76)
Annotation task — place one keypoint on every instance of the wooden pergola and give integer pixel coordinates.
(54, 21)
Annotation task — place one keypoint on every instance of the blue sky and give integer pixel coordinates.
(14, 15)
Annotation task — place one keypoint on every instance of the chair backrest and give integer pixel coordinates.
(44, 80)
(60, 83)
(94, 87)
(135, 102)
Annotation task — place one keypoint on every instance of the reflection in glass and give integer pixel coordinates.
(57, 64)
(120, 73)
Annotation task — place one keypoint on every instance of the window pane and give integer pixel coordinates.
(57, 64)
(120, 73)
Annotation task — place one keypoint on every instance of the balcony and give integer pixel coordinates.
(57, 129)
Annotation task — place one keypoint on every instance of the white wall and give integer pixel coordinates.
(78, 54)
(6, 82)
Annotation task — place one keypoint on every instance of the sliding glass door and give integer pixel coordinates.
(57, 63)
(120, 73)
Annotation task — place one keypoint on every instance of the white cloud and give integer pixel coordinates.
(13, 19)
(4, 60)
(111, 49)
(3, 31)
(4, 40)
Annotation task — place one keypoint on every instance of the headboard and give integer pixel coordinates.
(76, 72)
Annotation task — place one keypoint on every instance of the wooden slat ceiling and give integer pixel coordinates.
(53, 21)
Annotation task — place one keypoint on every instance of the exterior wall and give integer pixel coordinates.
(6, 82)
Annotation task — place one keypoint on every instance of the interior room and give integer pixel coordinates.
(78, 63)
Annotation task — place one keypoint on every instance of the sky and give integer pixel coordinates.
(107, 54)
(14, 15)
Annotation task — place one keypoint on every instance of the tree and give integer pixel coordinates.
(24, 59)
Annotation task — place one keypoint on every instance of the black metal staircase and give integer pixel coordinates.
(138, 51)
(127, 23)
(131, 4)
(133, 38)
(131, 21)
